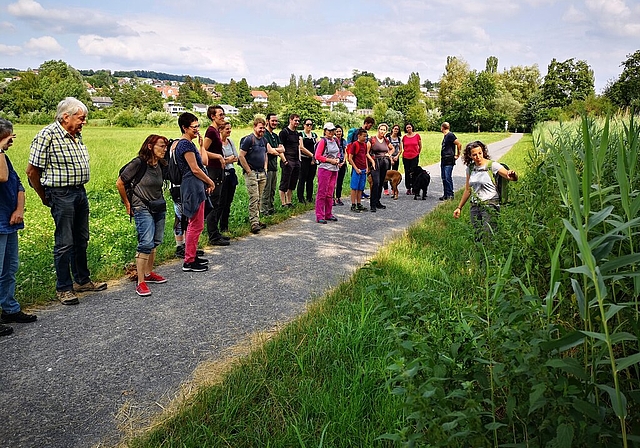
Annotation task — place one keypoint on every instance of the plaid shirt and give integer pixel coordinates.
(64, 161)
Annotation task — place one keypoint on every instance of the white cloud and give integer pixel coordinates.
(573, 15)
(615, 18)
(7, 26)
(43, 46)
(9, 50)
(68, 20)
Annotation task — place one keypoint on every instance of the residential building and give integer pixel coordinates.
(229, 110)
(168, 91)
(345, 97)
(260, 96)
(200, 108)
(101, 101)
(173, 108)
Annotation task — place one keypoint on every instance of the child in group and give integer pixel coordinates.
(358, 157)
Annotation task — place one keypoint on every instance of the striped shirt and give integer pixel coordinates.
(64, 161)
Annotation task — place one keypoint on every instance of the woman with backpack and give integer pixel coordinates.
(327, 153)
(140, 187)
(230, 181)
(481, 187)
(380, 150)
(195, 187)
(395, 138)
(342, 166)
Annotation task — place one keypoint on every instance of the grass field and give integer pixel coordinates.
(112, 236)
(327, 378)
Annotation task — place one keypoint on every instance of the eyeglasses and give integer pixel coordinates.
(308, 124)
(195, 127)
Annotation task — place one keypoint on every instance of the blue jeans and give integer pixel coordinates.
(150, 228)
(446, 172)
(70, 212)
(8, 269)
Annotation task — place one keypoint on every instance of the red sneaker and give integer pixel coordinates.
(143, 290)
(152, 277)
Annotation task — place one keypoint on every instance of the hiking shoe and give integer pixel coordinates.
(262, 225)
(194, 267)
(321, 221)
(201, 260)
(5, 330)
(219, 242)
(361, 207)
(386, 192)
(339, 202)
(381, 206)
(89, 286)
(179, 251)
(67, 297)
(255, 228)
(143, 290)
(409, 192)
(332, 218)
(373, 210)
(365, 195)
(152, 277)
(354, 209)
(19, 317)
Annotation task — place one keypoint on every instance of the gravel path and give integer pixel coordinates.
(64, 378)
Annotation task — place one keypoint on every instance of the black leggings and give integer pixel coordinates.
(341, 172)
(409, 165)
(377, 178)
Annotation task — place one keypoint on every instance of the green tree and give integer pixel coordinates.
(407, 95)
(23, 95)
(230, 94)
(58, 80)
(455, 75)
(567, 81)
(521, 81)
(143, 97)
(491, 65)
(275, 100)
(472, 105)
(340, 107)
(379, 111)
(306, 107)
(243, 93)
(417, 115)
(325, 87)
(625, 91)
(366, 90)
(101, 79)
(290, 91)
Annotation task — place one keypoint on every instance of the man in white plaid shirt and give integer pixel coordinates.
(58, 169)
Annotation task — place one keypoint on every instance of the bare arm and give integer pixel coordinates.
(123, 195)
(508, 174)
(34, 174)
(304, 150)
(4, 168)
(463, 199)
(18, 214)
(243, 161)
(210, 155)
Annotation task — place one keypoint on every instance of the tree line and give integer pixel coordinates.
(470, 99)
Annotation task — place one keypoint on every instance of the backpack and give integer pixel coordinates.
(501, 184)
(135, 180)
(174, 175)
(352, 135)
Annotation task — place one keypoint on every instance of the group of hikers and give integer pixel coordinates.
(203, 182)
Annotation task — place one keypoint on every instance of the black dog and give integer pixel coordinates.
(421, 180)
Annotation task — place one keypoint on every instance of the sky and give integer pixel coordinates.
(268, 41)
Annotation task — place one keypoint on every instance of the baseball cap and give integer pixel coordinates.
(329, 126)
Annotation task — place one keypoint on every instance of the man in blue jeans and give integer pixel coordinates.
(450, 152)
(58, 168)
(11, 220)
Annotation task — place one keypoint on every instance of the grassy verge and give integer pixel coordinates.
(112, 237)
(328, 378)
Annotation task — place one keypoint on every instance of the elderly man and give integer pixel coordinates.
(58, 168)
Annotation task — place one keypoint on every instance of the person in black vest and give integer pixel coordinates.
(307, 162)
(292, 142)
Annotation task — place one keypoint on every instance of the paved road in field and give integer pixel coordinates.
(64, 379)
